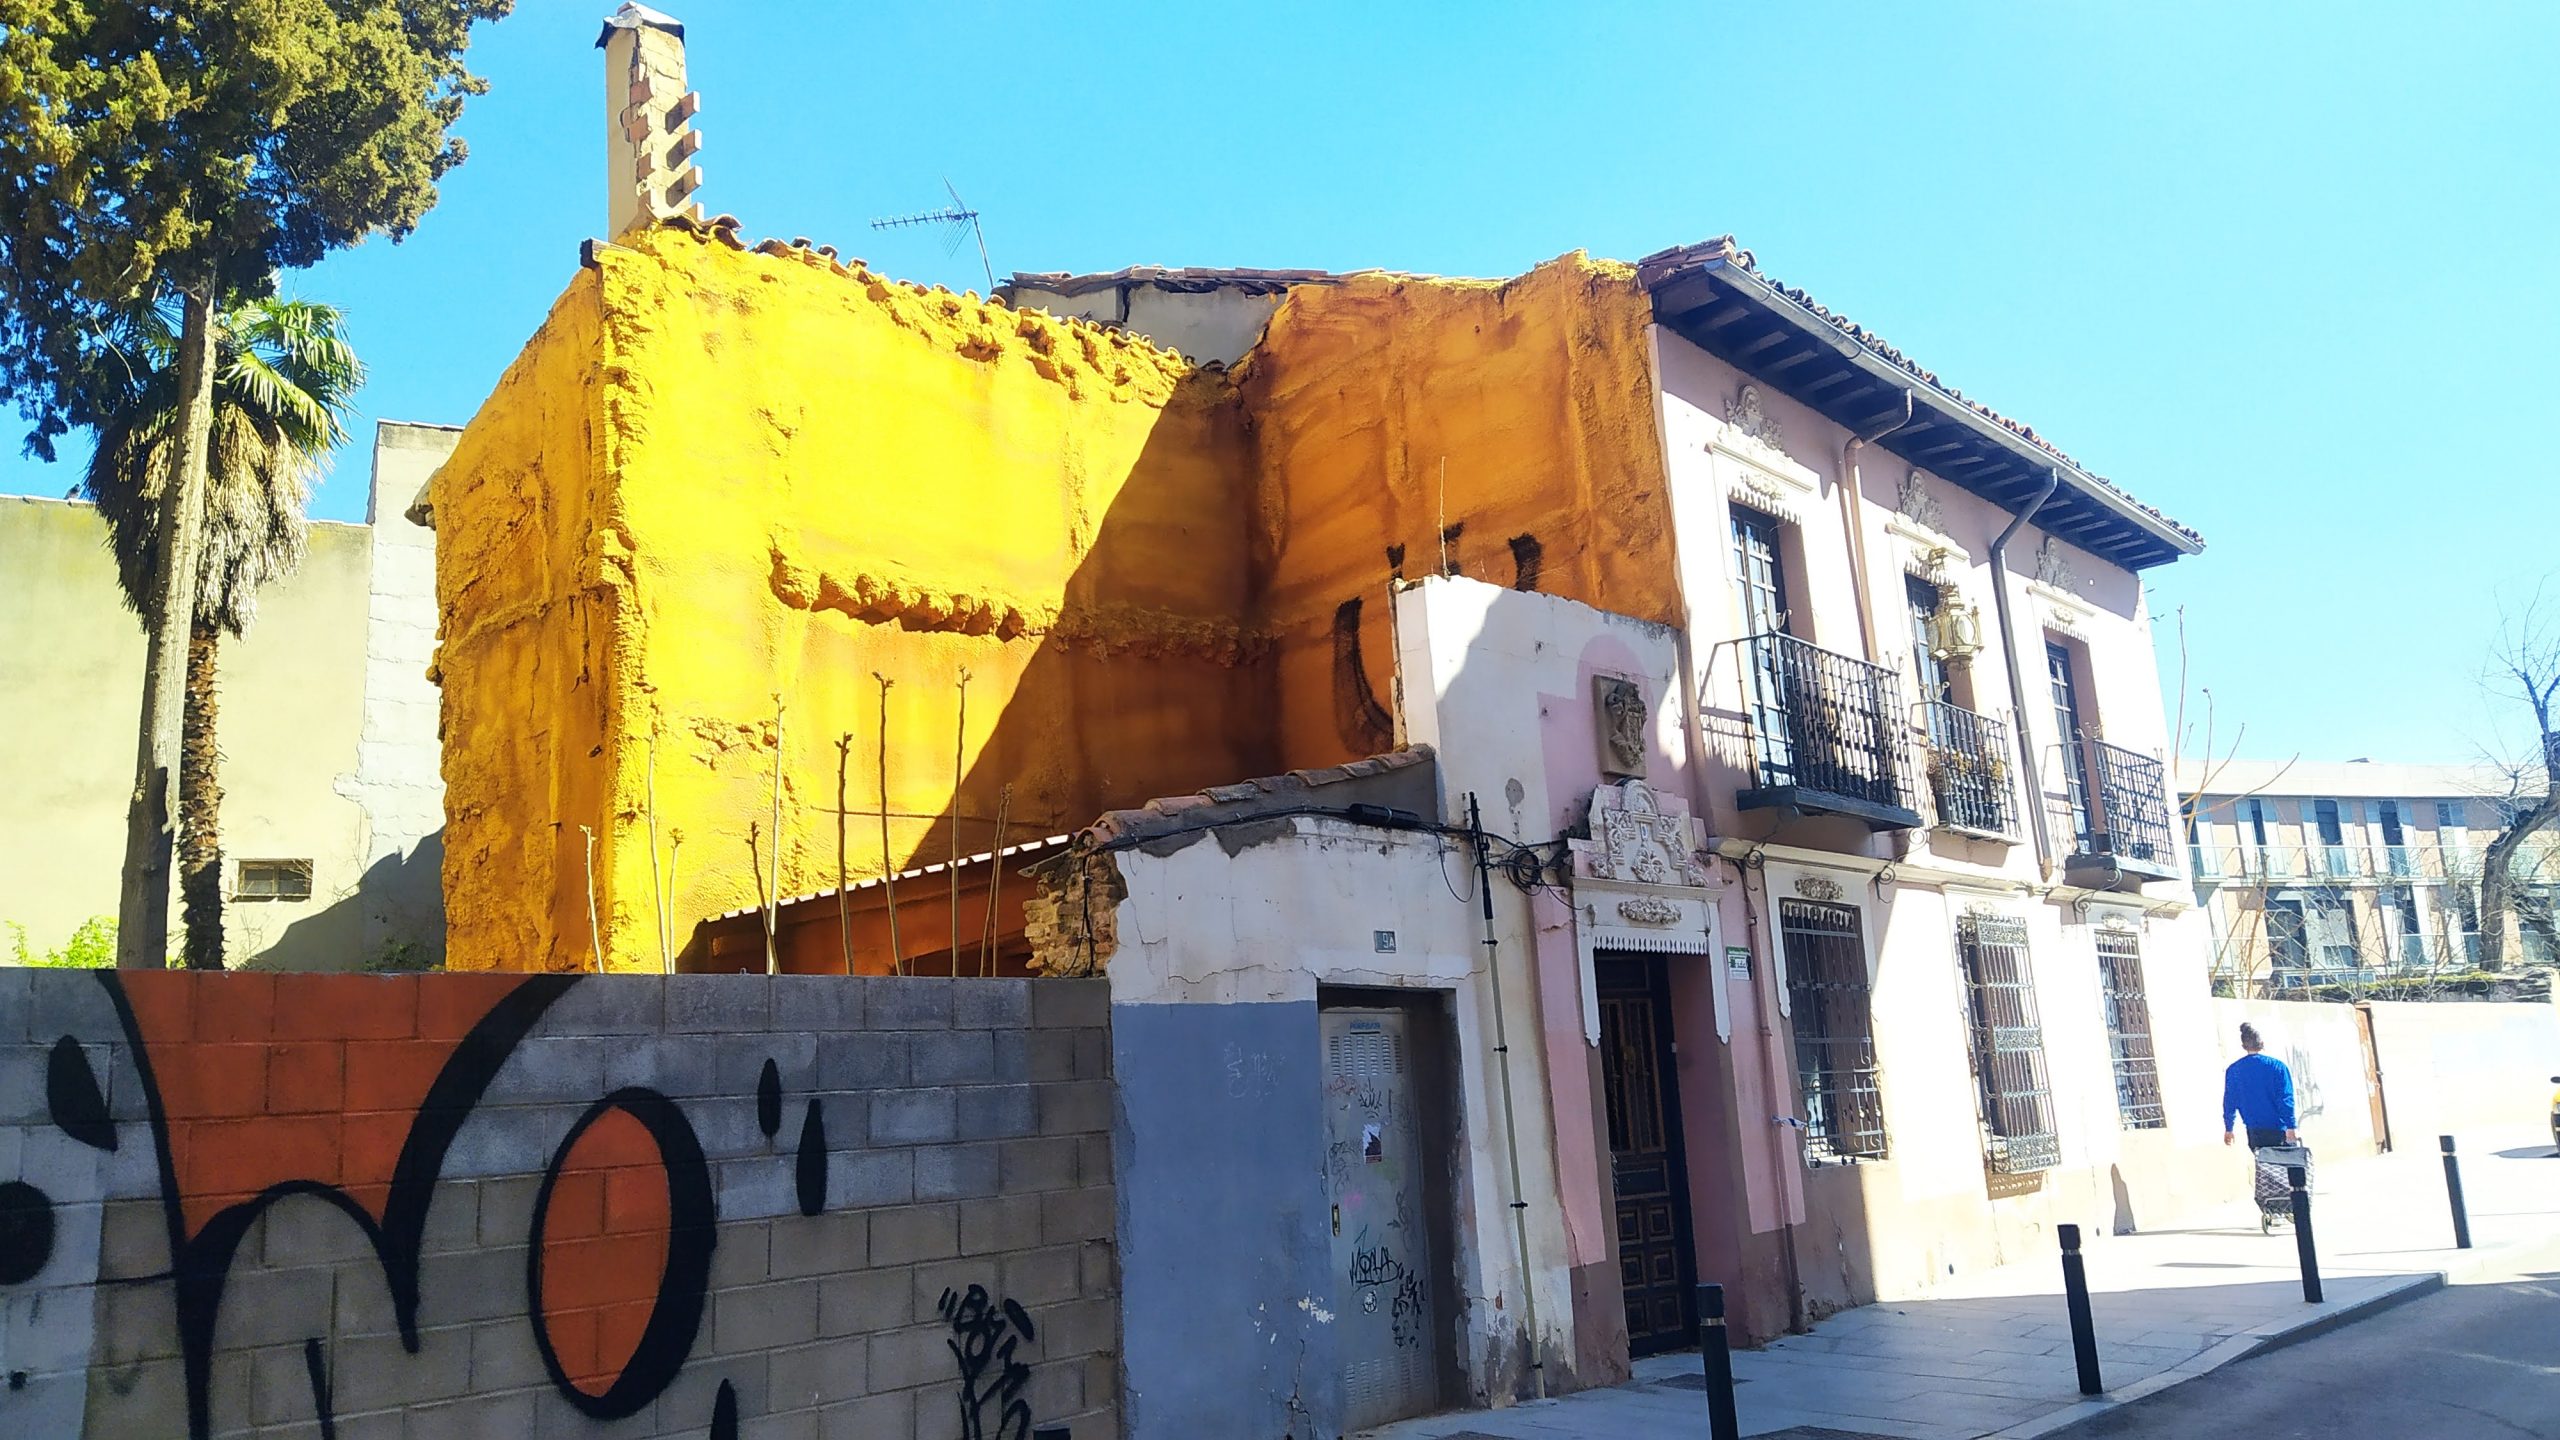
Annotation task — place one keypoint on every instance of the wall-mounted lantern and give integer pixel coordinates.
(1955, 632)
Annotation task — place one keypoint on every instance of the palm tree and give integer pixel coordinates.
(284, 376)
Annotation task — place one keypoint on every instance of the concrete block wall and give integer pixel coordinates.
(398, 778)
(608, 1206)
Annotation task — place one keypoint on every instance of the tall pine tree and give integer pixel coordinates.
(187, 153)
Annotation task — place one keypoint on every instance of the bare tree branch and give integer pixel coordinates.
(2525, 663)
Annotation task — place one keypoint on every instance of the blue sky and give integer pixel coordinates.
(2281, 270)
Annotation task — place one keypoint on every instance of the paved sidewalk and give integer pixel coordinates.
(1990, 1354)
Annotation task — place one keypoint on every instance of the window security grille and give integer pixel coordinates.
(2129, 1031)
(1834, 1031)
(2008, 1046)
(2132, 799)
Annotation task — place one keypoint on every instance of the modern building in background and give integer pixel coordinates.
(2325, 873)
(332, 804)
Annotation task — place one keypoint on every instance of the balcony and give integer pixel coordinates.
(1969, 773)
(2331, 864)
(1828, 735)
(2124, 834)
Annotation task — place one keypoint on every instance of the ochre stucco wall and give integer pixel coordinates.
(722, 475)
(802, 475)
(1519, 413)
(525, 606)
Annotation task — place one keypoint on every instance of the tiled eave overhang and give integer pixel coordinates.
(1737, 315)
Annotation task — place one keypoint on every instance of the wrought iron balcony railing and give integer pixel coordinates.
(1828, 734)
(1969, 770)
(2128, 818)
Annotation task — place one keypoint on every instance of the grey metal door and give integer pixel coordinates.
(1385, 1315)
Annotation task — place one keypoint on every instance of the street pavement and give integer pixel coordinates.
(2481, 1358)
(1990, 1354)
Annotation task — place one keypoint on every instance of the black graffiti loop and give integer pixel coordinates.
(683, 1286)
(26, 1231)
(200, 1262)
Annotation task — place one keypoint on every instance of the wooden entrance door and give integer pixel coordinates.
(1648, 1170)
(2373, 1079)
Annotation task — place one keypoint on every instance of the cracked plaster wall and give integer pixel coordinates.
(1388, 409)
(719, 476)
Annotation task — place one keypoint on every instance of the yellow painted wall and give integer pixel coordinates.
(718, 476)
(1387, 407)
(803, 476)
(526, 647)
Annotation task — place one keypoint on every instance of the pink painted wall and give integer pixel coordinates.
(2123, 696)
(2099, 608)
(1500, 682)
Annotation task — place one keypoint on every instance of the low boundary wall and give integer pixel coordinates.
(619, 1206)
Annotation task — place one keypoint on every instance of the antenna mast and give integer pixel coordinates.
(957, 222)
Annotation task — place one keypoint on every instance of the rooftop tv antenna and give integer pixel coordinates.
(957, 221)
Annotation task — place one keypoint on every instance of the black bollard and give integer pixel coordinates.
(1717, 1351)
(2453, 1194)
(2302, 1235)
(2075, 1299)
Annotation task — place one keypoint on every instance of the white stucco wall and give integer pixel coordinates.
(2467, 1068)
(397, 779)
(1502, 684)
(1892, 1227)
(1481, 673)
(1712, 468)
(327, 726)
(71, 659)
(2324, 1046)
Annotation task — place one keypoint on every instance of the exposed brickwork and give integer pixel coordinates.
(955, 1125)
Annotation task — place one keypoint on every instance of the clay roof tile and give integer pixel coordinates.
(1662, 265)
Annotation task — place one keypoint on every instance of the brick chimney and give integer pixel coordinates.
(650, 140)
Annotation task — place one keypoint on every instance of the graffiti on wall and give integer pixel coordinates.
(2306, 1083)
(621, 1228)
(1377, 1270)
(984, 1337)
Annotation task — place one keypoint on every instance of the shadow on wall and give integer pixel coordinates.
(1181, 657)
(1174, 581)
(380, 926)
(1146, 684)
(1157, 697)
